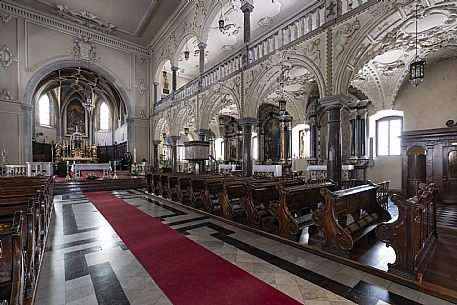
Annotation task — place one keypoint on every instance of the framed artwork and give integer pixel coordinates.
(75, 116)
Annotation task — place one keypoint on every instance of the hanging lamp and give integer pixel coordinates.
(417, 67)
(186, 51)
(221, 21)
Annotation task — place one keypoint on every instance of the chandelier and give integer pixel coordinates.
(186, 51)
(89, 104)
(417, 67)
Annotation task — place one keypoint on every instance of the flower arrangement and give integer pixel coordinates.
(91, 176)
(269, 161)
(39, 174)
(134, 170)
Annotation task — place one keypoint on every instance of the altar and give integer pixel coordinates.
(276, 170)
(79, 168)
(226, 167)
(320, 171)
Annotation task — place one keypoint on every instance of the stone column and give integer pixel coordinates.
(155, 92)
(246, 124)
(130, 133)
(313, 138)
(333, 106)
(27, 133)
(174, 152)
(247, 9)
(202, 46)
(354, 134)
(156, 153)
(174, 84)
(285, 141)
(362, 133)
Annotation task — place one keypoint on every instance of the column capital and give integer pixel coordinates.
(360, 104)
(174, 68)
(286, 118)
(247, 7)
(334, 101)
(247, 121)
(202, 45)
(156, 84)
(173, 139)
(26, 107)
(156, 142)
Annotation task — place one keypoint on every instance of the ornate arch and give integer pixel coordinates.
(216, 101)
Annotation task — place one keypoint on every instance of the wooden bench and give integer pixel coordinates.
(382, 195)
(259, 197)
(156, 183)
(231, 198)
(173, 186)
(164, 191)
(197, 191)
(413, 235)
(294, 207)
(12, 261)
(332, 219)
(184, 189)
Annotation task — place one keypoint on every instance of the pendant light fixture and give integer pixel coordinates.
(417, 67)
(282, 101)
(186, 51)
(221, 21)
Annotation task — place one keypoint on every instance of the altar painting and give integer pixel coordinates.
(75, 115)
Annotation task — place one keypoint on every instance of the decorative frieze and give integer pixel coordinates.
(6, 58)
(5, 17)
(5, 95)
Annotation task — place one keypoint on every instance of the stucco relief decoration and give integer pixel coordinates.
(142, 88)
(331, 9)
(5, 17)
(5, 95)
(84, 49)
(85, 18)
(345, 35)
(313, 52)
(6, 58)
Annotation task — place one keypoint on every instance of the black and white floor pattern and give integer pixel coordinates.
(86, 262)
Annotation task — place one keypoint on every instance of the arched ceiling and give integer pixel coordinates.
(79, 81)
(385, 67)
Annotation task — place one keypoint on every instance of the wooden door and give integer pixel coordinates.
(450, 174)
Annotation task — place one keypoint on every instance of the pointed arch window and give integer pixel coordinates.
(44, 110)
(104, 116)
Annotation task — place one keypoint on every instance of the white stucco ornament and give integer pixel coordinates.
(5, 95)
(84, 49)
(6, 58)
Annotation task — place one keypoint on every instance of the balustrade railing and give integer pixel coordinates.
(287, 33)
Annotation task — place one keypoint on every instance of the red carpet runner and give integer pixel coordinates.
(185, 271)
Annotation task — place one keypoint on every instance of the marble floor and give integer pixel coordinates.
(85, 262)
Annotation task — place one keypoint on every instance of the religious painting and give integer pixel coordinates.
(76, 116)
(452, 164)
(233, 151)
(272, 135)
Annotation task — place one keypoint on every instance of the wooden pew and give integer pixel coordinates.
(295, 203)
(197, 190)
(213, 186)
(331, 219)
(173, 186)
(156, 183)
(12, 261)
(231, 198)
(413, 235)
(164, 191)
(259, 197)
(382, 195)
(184, 189)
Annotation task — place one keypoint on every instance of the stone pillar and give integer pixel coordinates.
(246, 124)
(354, 134)
(155, 92)
(313, 138)
(130, 144)
(156, 143)
(261, 139)
(247, 9)
(27, 133)
(362, 133)
(174, 84)
(285, 141)
(174, 152)
(202, 46)
(333, 106)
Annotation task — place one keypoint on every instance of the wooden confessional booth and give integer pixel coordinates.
(430, 156)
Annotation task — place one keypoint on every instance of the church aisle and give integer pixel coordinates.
(99, 269)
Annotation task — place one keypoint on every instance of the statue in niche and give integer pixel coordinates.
(166, 85)
(76, 116)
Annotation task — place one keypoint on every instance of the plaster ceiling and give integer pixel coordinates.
(265, 16)
(137, 21)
